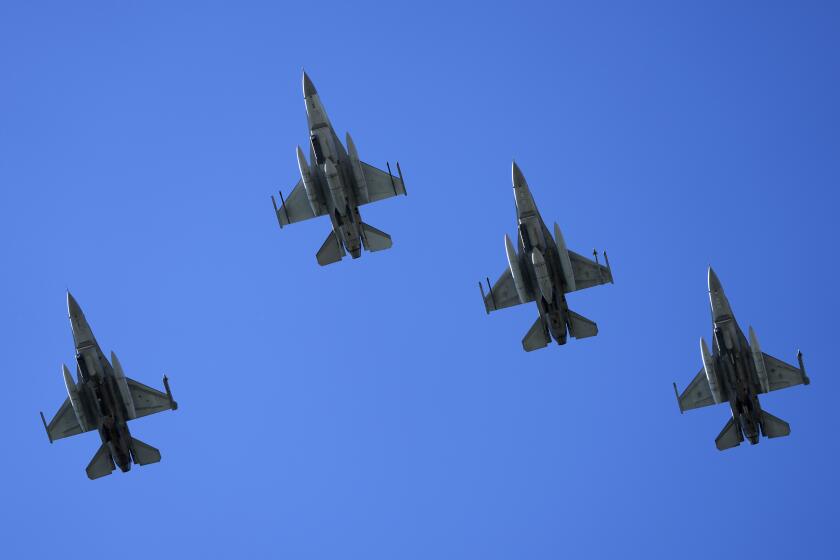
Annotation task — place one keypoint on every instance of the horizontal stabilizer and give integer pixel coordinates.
(730, 436)
(537, 336)
(143, 453)
(580, 326)
(772, 426)
(101, 464)
(331, 251)
(374, 239)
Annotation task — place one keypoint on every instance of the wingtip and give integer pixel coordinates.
(677, 394)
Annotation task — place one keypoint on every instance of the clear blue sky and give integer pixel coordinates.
(371, 410)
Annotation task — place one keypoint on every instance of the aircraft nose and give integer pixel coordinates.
(714, 281)
(73, 308)
(308, 87)
(517, 177)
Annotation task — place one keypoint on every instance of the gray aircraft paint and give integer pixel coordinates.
(102, 398)
(335, 182)
(543, 271)
(737, 371)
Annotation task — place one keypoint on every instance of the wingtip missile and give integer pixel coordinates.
(609, 268)
(805, 379)
(46, 429)
(173, 405)
(677, 394)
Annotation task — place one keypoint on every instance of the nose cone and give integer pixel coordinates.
(308, 87)
(714, 282)
(525, 205)
(517, 177)
(73, 309)
(82, 335)
(720, 304)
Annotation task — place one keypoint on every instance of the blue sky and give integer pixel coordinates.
(371, 409)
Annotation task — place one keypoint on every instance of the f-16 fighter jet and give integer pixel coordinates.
(104, 399)
(544, 271)
(737, 371)
(336, 182)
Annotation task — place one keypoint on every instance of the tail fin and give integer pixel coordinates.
(537, 336)
(331, 251)
(772, 426)
(580, 326)
(730, 436)
(375, 240)
(143, 453)
(101, 464)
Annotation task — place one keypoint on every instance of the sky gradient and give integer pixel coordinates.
(370, 409)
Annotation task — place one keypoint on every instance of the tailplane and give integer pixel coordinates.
(537, 336)
(143, 453)
(772, 426)
(580, 326)
(101, 465)
(730, 436)
(374, 239)
(331, 251)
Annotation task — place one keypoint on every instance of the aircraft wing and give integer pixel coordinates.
(64, 423)
(588, 273)
(380, 184)
(782, 375)
(697, 394)
(146, 399)
(503, 294)
(295, 208)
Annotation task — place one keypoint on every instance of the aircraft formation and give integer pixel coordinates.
(540, 268)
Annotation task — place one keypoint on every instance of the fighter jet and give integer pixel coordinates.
(737, 371)
(544, 271)
(102, 398)
(336, 182)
